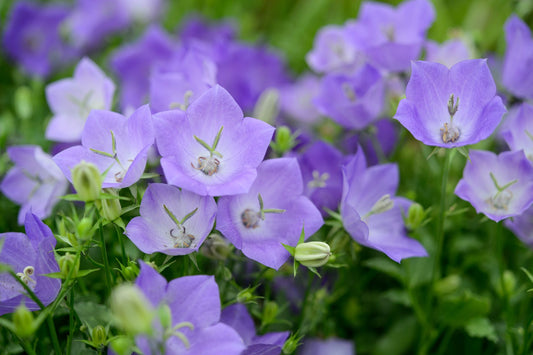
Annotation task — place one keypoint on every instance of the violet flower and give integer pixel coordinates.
(271, 213)
(194, 305)
(450, 107)
(72, 99)
(371, 214)
(499, 186)
(352, 101)
(322, 175)
(238, 317)
(31, 256)
(32, 37)
(296, 99)
(211, 149)
(518, 131)
(448, 53)
(517, 76)
(522, 226)
(35, 182)
(337, 346)
(117, 145)
(172, 222)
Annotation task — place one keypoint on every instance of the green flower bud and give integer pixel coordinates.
(447, 285)
(245, 296)
(110, 209)
(87, 181)
(121, 345)
(284, 141)
(129, 271)
(23, 321)
(99, 337)
(509, 282)
(312, 254)
(267, 106)
(67, 263)
(292, 344)
(216, 247)
(270, 312)
(23, 102)
(131, 309)
(85, 228)
(165, 316)
(415, 216)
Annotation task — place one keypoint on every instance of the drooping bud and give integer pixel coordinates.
(87, 181)
(312, 254)
(131, 310)
(23, 321)
(110, 209)
(415, 216)
(267, 107)
(99, 337)
(67, 263)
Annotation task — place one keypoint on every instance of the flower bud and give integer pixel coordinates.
(110, 209)
(415, 216)
(165, 316)
(216, 247)
(23, 102)
(121, 345)
(99, 337)
(67, 263)
(283, 141)
(87, 181)
(129, 271)
(23, 321)
(447, 285)
(270, 312)
(84, 228)
(267, 107)
(131, 309)
(292, 344)
(245, 296)
(509, 282)
(312, 254)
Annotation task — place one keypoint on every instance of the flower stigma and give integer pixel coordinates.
(319, 180)
(502, 197)
(179, 235)
(209, 165)
(251, 218)
(449, 132)
(26, 276)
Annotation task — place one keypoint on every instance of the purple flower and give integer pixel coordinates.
(71, 100)
(517, 76)
(32, 37)
(322, 175)
(31, 256)
(296, 99)
(371, 213)
(211, 149)
(518, 132)
(173, 222)
(328, 346)
(35, 182)
(117, 145)
(238, 318)
(522, 226)
(450, 107)
(499, 186)
(448, 53)
(352, 101)
(133, 64)
(271, 213)
(194, 304)
(393, 37)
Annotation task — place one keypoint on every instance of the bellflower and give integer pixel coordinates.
(517, 76)
(72, 99)
(117, 145)
(522, 226)
(448, 53)
(31, 256)
(450, 107)
(211, 149)
(371, 213)
(352, 101)
(238, 317)
(322, 175)
(272, 212)
(35, 182)
(194, 306)
(173, 222)
(296, 99)
(518, 131)
(499, 186)
(32, 37)
(337, 346)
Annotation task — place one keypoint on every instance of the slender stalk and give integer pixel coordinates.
(121, 242)
(500, 252)
(107, 271)
(71, 321)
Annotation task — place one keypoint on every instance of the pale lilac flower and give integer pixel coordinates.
(522, 226)
(32, 37)
(194, 304)
(450, 107)
(31, 256)
(211, 149)
(296, 99)
(499, 186)
(172, 222)
(448, 53)
(35, 182)
(117, 145)
(353, 101)
(272, 212)
(518, 131)
(517, 76)
(337, 346)
(371, 212)
(143, 11)
(72, 99)
(238, 317)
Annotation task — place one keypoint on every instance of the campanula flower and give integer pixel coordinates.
(518, 131)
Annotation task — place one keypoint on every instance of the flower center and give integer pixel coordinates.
(502, 197)
(319, 180)
(349, 92)
(384, 204)
(26, 276)
(179, 235)
(449, 132)
(209, 164)
(250, 218)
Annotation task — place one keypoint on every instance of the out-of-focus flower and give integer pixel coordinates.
(296, 99)
(448, 53)
(211, 149)
(337, 346)
(31, 256)
(271, 213)
(499, 186)
(518, 131)
(450, 107)
(72, 99)
(35, 182)
(522, 226)
(371, 213)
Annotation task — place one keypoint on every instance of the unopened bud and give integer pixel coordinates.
(121, 345)
(283, 141)
(87, 181)
(447, 285)
(130, 271)
(110, 209)
(131, 309)
(85, 228)
(23, 321)
(23, 102)
(245, 296)
(509, 282)
(99, 337)
(292, 344)
(165, 316)
(69, 265)
(267, 107)
(270, 312)
(312, 254)
(415, 216)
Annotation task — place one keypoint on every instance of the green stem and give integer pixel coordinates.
(71, 321)
(121, 242)
(106, 262)
(500, 252)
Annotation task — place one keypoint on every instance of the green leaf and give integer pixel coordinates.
(464, 152)
(149, 175)
(71, 197)
(481, 328)
(289, 248)
(93, 314)
(386, 266)
(457, 311)
(528, 274)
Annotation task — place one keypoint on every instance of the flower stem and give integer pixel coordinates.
(71, 320)
(106, 262)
